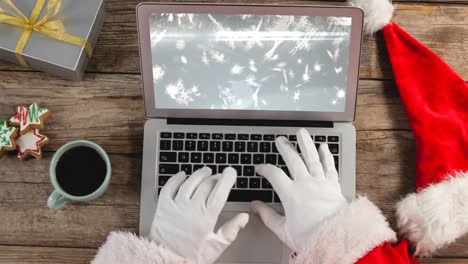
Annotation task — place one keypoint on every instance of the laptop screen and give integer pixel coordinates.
(250, 62)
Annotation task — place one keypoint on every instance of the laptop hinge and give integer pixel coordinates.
(248, 122)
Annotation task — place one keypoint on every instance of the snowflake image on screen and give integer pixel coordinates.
(263, 62)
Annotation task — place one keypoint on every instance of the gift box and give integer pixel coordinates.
(53, 36)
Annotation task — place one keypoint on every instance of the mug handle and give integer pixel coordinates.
(56, 200)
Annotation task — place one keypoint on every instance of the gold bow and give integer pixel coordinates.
(51, 28)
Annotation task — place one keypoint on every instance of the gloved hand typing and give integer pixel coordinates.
(311, 194)
(187, 213)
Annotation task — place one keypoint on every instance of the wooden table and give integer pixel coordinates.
(107, 108)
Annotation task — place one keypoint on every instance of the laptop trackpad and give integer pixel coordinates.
(254, 244)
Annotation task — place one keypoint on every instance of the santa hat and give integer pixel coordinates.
(436, 102)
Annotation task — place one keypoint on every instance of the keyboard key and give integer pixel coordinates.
(204, 136)
(337, 165)
(255, 137)
(167, 157)
(258, 159)
(213, 168)
(168, 168)
(334, 149)
(265, 147)
(162, 180)
(249, 171)
(252, 147)
(281, 160)
(274, 149)
(177, 145)
(254, 183)
(333, 139)
(179, 135)
(239, 147)
(320, 139)
(215, 145)
(190, 145)
(230, 136)
(208, 157)
(228, 146)
(270, 158)
(233, 158)
(159, 190)
(286, 170)
(187, 168)
(266, 184)
(317, 145)
(217, 136)
(276, 199)
(202, 145)
(268, 137)
(243, 137)
(246, 158)
(292, 138)
(238, 169)
(197, 167)
(250, 195)
(242, 182)
(166, 134)
(221, 168)
(183, 157)
(165, 145)
(195, 157)
(221, 158)
(192, 135)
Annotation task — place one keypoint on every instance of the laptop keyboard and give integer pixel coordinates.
(180, 151)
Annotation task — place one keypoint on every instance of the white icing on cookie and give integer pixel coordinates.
(30, 143)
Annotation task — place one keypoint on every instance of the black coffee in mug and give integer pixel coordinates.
(80, 171)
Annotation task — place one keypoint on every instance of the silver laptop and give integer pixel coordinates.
(221, 82)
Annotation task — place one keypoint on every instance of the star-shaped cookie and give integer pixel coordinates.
(30, 144)
(7, 137)
(29, 118)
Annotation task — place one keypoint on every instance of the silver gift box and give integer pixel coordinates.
(81, 18)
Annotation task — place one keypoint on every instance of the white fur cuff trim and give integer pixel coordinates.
(348, 235)
(436, 216)
(377, 13)
(125, 248)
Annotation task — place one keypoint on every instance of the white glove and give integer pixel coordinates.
(308, 197)
(187, 213)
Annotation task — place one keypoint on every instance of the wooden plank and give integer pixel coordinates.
(443, 260)
(126, 170)
(440, 27)
(105, 108)
(74, 226)
(60, 255)
(385, 173)
(108, 108)
(45, 255)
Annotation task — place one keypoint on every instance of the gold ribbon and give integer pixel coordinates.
(46, 26)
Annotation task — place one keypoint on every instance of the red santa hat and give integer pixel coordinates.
(436, 102)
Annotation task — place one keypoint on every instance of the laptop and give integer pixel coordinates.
(221, 82)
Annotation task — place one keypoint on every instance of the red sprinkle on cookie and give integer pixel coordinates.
(29, 118)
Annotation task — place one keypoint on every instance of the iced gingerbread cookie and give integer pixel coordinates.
(29, 118)
(30, 144)
(7, 137)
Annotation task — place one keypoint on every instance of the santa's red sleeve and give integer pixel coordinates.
(357, 233)
(126, 248)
